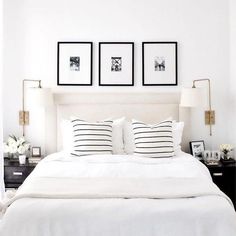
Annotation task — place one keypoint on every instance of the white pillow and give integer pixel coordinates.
(66, 135)
(129, 145)
(117, 136)
(178, 128)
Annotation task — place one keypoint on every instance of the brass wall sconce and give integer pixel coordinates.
(193, 97)
(42, 97)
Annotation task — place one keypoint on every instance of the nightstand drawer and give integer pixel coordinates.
(224, 176)
(16, 174)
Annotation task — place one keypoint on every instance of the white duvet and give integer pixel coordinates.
(59, 208)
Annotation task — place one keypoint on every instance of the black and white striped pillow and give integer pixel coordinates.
(153, 140)
(91, 138)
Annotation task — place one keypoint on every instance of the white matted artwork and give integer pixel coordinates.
(197, 149)
(74, 63)
(159, 63)
(116, 63)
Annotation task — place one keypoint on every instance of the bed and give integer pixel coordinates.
(177, 197)
(122, 194)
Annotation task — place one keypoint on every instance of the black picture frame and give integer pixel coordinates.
(195, 152)
(37, 150)
(175, 58)
(90, 76)
(100, 79)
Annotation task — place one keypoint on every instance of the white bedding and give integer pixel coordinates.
(207, 214)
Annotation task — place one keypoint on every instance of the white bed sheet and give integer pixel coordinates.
(208, 215)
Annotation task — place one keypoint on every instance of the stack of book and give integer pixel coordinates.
(34, 160)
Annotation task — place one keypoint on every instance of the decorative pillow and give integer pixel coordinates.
(129, 145)
(154, 141)
(91, 138)
(117, 135)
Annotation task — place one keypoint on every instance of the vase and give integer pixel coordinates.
(22, 159)
(226, 156)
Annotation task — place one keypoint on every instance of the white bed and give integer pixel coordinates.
(123, 195)
(196, 210)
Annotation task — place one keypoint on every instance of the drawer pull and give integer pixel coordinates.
(17, 173)
(217, 174)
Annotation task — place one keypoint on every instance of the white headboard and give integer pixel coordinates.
(148, 107)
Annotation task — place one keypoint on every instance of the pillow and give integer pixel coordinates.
(117, 135)
(67, 135)
(129, 144)
(178, 128)
(91, 138)
(154, 141)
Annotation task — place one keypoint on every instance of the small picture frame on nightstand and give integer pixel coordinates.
(197, 149)
(36, 151)
(216, 155)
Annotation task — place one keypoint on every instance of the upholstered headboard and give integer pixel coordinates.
(148, 107)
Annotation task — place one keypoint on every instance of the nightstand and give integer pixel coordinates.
(224, 176)
(15, 174)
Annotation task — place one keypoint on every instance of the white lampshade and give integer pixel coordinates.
(40, 97)
(192, 97)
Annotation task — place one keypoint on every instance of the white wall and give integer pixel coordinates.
(232, 99)
(32, 29)
(1, 130)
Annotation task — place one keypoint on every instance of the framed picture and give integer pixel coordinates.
(159, 63)
(36, 151)
(116, 64)
(216, 155)
(207, 155)
(74, 63)
(197, 149)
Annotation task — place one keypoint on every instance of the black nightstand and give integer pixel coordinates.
(224, 176)
(15, 174)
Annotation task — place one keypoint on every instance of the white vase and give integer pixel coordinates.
(22, 159)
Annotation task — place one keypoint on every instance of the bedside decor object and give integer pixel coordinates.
(197, 149)
(159, 63)
(22, 159)
(34, 160)
(116, 63)
(39, 96)
(207, 156)
(74, 63)
(193, 97)
(16, 146)
(226, 149)
(36, 151)
(216, 155)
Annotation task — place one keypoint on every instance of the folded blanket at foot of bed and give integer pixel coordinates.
(97, 188)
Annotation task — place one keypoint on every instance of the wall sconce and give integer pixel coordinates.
(39, 97)
(193, 97)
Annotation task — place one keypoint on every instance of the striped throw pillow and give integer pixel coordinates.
(153, 140)
(91, 138)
